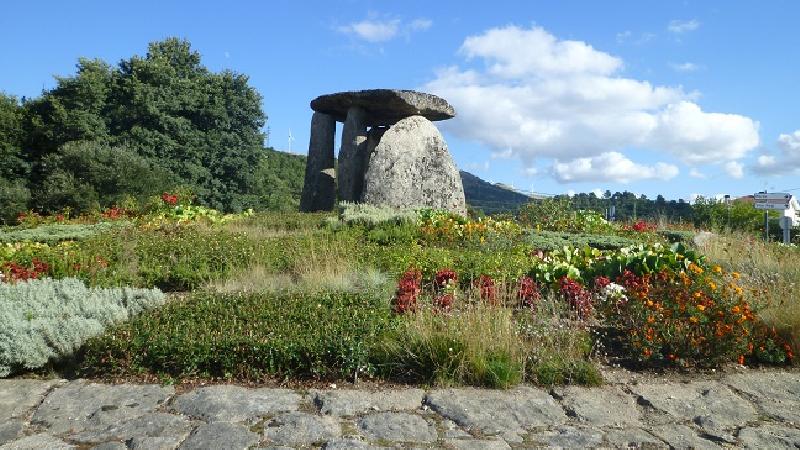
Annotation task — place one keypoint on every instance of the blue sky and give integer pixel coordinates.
(677, 98)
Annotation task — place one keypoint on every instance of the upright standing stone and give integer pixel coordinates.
(411, 167)
(319, 190)
(353, 155)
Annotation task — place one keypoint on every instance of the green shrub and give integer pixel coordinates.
(249, 336)
(45, 320)
(551, 240)
(14, 197)
(371, 215)
(53, 233)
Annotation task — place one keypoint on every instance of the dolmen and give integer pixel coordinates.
(391, 153)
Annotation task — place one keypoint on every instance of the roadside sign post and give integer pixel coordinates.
(780, 201)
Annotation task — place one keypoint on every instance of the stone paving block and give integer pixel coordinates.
(632, 438)
(608, 406)
(10, 430)
(153, 425)
(776, 393)
(301, 429)
(220, 436)
(81, 405)
(37, 442)
(770, 436)
(477, 444)
(18, 397)
(402, 427)
(701, 401)
(231, 403)
(352, 402)
(349, 443)
(508, 413)
(681, 436)
(569, 437)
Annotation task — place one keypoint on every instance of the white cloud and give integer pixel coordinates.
(564, 99)
(682, 26)
(627, 36)
(684, 67)
(420, 24)
(694, 173)
(787, 160)
(734, 169)
(375, 30)
(611, 166)
(598, 192)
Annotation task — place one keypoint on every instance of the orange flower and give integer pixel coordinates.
(740, 360)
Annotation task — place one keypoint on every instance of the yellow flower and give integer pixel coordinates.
(717, 269)
(712, 285)
(735, 275)
(701, 307)
(698, 294)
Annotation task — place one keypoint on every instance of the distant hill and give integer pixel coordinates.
(490, 198)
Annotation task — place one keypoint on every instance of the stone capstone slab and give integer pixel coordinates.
(18, 397)
(353, 402)
(384, 106)
(230, 403)
(776, 393)
(165, 427)
(221, 436)
(681, 436)
(402, 427)
(81, 405)
(299, 428)
(770, 436)
(509, 413)
(600, 406)
(411, 167)
(701, 402)
(41, 441)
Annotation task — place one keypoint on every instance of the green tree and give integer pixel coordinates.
(14, 193)
(169, 109)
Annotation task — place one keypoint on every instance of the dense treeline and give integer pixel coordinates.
(149, 124)
(628, 206)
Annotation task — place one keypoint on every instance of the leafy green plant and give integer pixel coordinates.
(53, 233)
(45, 320)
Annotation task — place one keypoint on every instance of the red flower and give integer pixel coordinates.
(528, 292)
(579, 299)
(408, 289)
(170, 199)
(445, 277)
(488, 292)
(601, 282)
(444, 302)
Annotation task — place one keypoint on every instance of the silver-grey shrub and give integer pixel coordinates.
(43, 320)
(372, 215)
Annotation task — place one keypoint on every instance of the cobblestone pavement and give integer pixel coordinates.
(758, 409)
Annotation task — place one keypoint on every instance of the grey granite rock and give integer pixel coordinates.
(10, 430)
(353, 156)
(477, 444)
(702, 402)
(234, 403)
(19, 396)
(632, 438)
(776, 393)
(301, 429)
(37, 442)
(607, 406)
(411, 167)
(770, 436)
(384, 106)
(508, 413)
(114, 446)
(349, 443)
(319, 188)
(401, 427)
(569, 437)
(153, 425)
(82, 405)
(681, 436)
(351, 402)
(220, 436)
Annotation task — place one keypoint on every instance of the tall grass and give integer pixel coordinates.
(769, 267)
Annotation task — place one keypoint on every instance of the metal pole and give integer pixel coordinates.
(766, 226)
(787, 229)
